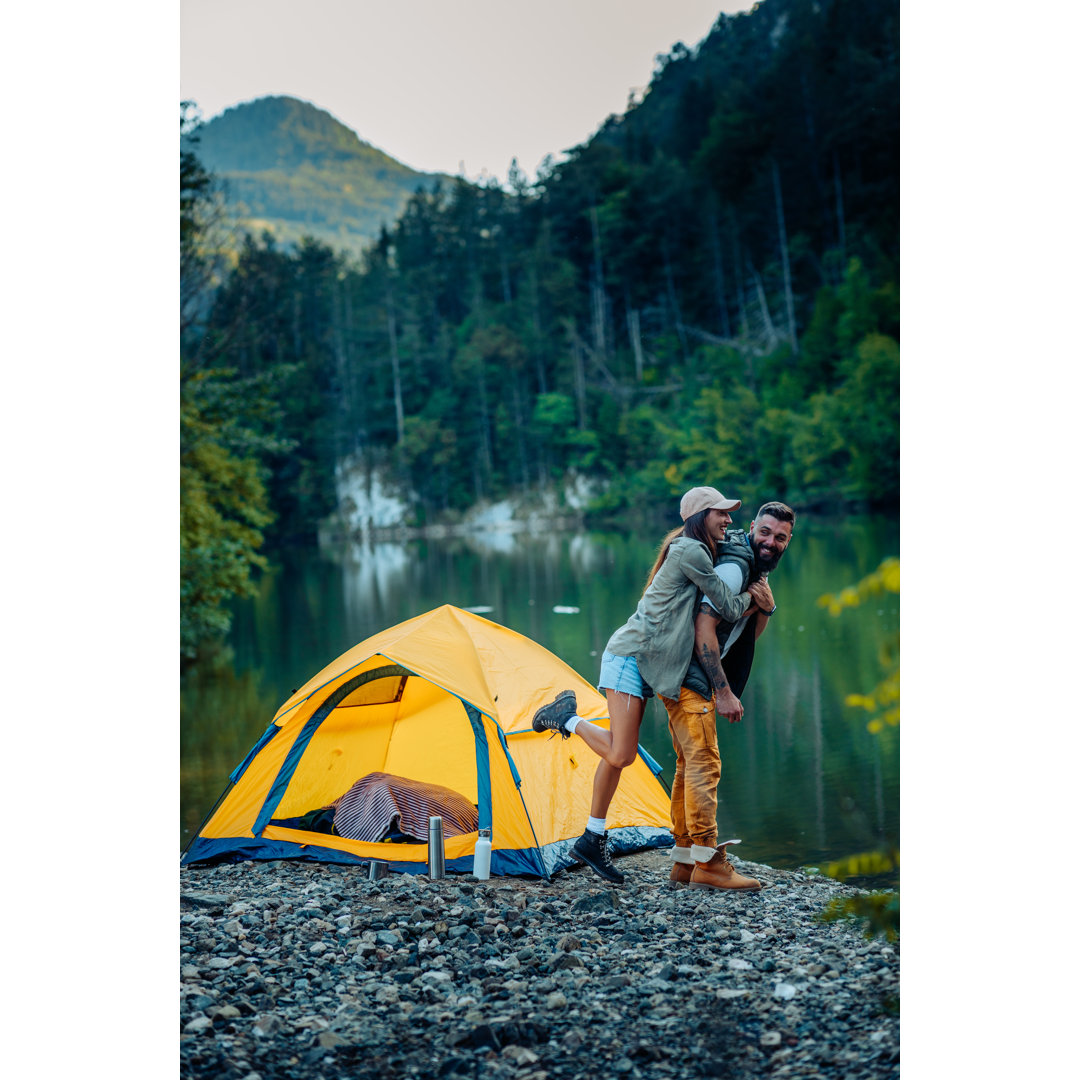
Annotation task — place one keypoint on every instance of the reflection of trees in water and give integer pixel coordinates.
(222, 713)
(372, 576)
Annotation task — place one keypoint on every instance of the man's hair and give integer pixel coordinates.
(780, 511)
(694, 527)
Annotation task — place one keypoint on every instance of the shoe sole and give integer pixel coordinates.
(585, 862)
(721, 888)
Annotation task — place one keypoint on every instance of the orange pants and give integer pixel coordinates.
(692, 723)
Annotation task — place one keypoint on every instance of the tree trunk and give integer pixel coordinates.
(839, 204)
(744, 322)
(579, 378)
(718, 270)
(673, 298)
(789, 297)
(599, 297)
(399, 405)
(633, 322)
(538, 327)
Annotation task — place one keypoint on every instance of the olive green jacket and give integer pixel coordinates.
(660, 634)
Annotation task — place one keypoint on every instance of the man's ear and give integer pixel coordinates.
(751, 529)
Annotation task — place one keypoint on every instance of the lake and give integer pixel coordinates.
(803, 780)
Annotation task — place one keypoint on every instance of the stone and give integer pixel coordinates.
(568, 960)
(310, 978)
(212, 901)
(331, 1039)
(268, 1025)
(604, 901)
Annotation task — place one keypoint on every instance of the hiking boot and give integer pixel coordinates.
(553, 717)
(680, 875)
(592, 850)
(718, 873)
(682, 868)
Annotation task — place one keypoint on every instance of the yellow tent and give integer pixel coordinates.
(445, 698)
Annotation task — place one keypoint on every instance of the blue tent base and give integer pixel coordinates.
(556, 857)
(621, 842)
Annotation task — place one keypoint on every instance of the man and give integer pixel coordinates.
(723, 654)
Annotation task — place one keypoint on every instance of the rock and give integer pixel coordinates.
(267, 1026)
(215, 902)
(604, 901)
(567, 960)
(331, 1039)
(305, 973)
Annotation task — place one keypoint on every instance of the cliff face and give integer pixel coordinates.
(372, 505)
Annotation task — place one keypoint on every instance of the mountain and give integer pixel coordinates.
(291, 168)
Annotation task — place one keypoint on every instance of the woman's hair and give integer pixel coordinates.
(694, 527)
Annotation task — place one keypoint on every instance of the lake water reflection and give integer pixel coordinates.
(803, 780)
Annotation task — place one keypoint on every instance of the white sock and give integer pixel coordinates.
(572, 723)
(596, 825)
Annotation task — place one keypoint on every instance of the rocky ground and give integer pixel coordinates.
(302, 970)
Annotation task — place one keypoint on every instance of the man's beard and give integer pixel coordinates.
(764, 563)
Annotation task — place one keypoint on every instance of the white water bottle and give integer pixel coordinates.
(482, 856)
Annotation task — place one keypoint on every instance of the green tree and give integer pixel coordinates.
(223, 499)
(879, 912)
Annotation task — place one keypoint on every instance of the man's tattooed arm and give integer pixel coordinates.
(709, 650)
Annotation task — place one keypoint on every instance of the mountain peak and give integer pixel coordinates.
(293, 169)
(280, 132)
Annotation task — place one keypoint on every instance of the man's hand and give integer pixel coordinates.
(762, 595)
(727, 704)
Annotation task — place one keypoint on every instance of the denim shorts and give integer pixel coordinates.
(620, 673)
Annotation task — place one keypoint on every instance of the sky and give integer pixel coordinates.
(440, 85)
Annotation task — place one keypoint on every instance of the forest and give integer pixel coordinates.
(707, 291)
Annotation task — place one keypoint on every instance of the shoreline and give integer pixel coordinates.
(293, 970)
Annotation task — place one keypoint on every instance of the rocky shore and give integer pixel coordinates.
(302, 970)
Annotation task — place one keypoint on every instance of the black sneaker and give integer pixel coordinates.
(592, 850)
(553, 717)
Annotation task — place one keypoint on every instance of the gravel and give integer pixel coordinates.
(291, 969)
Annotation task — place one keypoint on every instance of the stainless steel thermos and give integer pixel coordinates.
(436, 852)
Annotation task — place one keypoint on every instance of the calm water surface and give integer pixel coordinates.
(803, 781)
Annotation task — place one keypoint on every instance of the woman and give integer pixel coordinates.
(648, 654)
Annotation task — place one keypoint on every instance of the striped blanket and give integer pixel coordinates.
(380, 803)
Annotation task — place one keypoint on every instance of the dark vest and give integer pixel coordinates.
(735, 550)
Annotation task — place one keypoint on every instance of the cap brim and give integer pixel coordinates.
(727, 504)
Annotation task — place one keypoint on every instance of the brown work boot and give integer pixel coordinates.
(718, 873)
(682, 867)
(680, 875)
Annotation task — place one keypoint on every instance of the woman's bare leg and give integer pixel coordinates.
(617, 745)
(620, 750)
